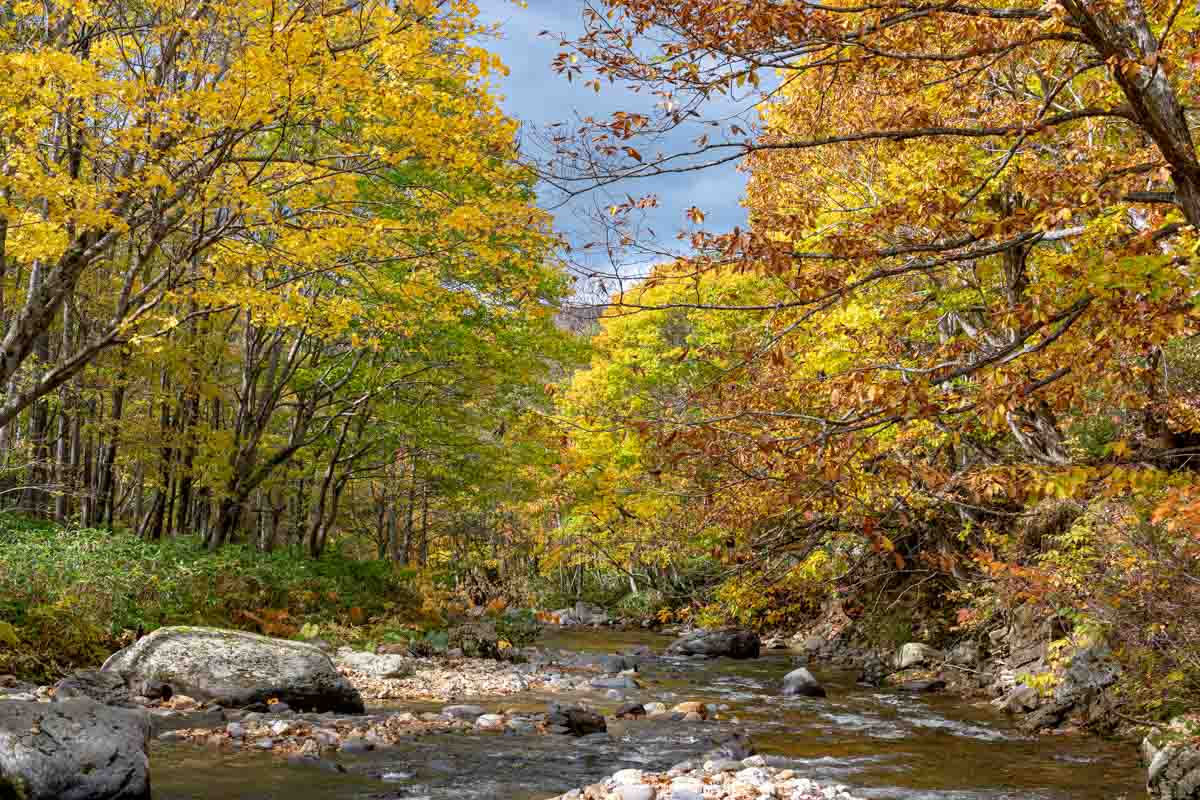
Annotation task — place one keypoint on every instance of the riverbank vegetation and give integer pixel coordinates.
(949, 371)
(282, 322)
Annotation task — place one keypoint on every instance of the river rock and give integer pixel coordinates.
(732, 746)
(731, 642)
(489, 722)
(1081, 690)
(588, 614)
(614, 682)
(627, 777)
(375, 665)
(578, 721)
(235, 668)
(691, 707)
(76, 749)
(801, 683)
(915, 654)
(1022, 698)
(965, 654)
(1174, 762)
(106, 688)
(464, 712)
(631, 711)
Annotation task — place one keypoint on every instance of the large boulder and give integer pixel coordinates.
(235, 668)
(731, 642)
(1173, 758)
(801, 683)
(73, 750)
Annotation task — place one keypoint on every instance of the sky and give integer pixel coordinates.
(539, 97)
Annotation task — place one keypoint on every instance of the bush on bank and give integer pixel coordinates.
(69, 597)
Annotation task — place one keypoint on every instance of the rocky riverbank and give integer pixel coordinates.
(1027, 665)
(726, 779)
(445, 678)
(429, 719)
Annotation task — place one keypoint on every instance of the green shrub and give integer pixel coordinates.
(74, 595)
(518, 628)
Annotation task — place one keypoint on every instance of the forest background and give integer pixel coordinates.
(288, 342)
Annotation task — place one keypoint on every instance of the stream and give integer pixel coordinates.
(879, 743)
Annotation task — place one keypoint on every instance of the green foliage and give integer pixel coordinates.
(890, 630)
(642, 604)
(518, 628)
(1094, 435)
(72, 596)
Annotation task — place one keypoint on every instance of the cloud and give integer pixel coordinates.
(539, 97)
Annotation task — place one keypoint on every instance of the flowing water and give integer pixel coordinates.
(880, 743)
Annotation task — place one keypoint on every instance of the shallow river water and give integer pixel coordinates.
(879, 743)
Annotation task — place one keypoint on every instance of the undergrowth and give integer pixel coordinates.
(69, 596)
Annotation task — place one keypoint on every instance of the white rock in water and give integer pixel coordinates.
(627, 777)
(636, 792)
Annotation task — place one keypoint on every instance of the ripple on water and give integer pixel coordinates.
(884, 745)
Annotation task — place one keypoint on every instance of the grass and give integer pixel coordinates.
(70, 596)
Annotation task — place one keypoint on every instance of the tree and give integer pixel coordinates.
(258, 248)
(974, 229)
(183, 146)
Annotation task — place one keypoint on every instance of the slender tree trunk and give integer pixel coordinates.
(410, 511)
(106, 487)
(87, 477)
(424, 524)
